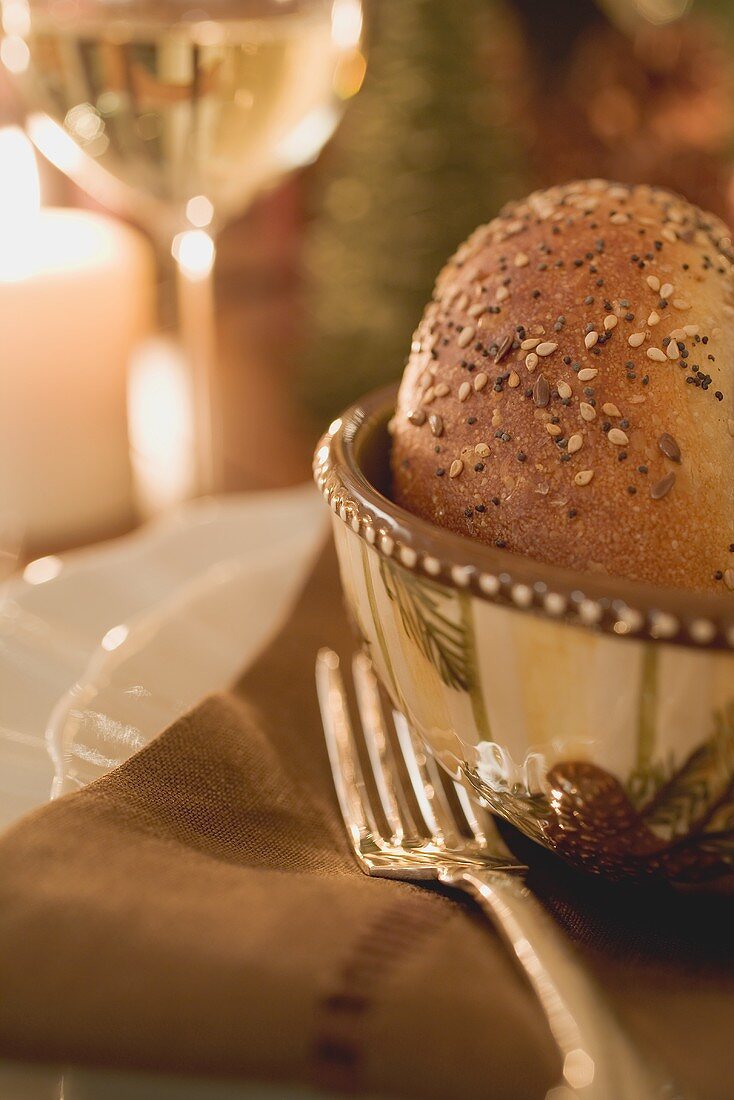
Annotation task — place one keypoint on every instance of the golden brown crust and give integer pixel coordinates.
(607, 278)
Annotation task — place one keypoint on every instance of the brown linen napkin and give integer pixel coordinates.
(198, 910)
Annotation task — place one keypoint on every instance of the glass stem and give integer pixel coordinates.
(187, 310)
(197, 326)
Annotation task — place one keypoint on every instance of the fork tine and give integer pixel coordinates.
(387, 779)
(442, 807)
(427, 784)
(354, 800)
(472, 820)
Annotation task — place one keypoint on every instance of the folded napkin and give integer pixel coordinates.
(198, 910)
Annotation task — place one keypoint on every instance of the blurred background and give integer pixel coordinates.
(454, 109)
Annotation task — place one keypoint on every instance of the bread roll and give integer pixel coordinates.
(569, 389)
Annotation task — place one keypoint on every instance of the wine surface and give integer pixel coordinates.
(210, 107)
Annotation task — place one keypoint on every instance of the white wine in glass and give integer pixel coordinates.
(193, 108)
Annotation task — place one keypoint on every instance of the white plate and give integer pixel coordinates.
(130, 635)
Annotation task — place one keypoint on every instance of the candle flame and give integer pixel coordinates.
(20, 188)
(35, 241)
(20, 203)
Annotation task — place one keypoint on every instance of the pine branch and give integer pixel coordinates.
(440, 639)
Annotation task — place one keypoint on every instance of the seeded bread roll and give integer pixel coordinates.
(569, 391)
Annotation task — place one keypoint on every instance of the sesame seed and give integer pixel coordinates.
(729, 578)
(653, 319)
(610, 321)
(482, 450)
(591, 338)
(435, 422)
(666, 290)
(529, 344)
(521, 260)
(502, 294)
(662, 487)
(480, 381)
(669, 447)
(531, 361)
(681, 303)
(672, 350)
(464, 391)
(503, 349)
(441, 389)
(656, 354)
(583, 477)
(564, 390)
(456, 467)
(514, 380)
(587, 374)
(635, 339)
(653, 282)
(610, 409)
(617, 437)
(547, 347)
(588, 412)
(466, 336)
(553, 429)
(575, 444)
(541, 391)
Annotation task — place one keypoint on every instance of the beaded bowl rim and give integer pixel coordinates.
(624, 608)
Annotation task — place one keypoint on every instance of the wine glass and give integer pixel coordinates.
(182, 111)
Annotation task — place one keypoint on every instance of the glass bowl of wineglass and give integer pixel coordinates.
(182, 111)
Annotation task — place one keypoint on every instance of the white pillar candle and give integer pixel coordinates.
(76, 297)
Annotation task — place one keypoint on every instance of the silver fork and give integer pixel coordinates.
(599, 1062)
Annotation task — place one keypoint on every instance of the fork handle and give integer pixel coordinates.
(599, 1061)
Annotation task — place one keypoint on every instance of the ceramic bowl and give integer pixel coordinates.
(594, 714)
